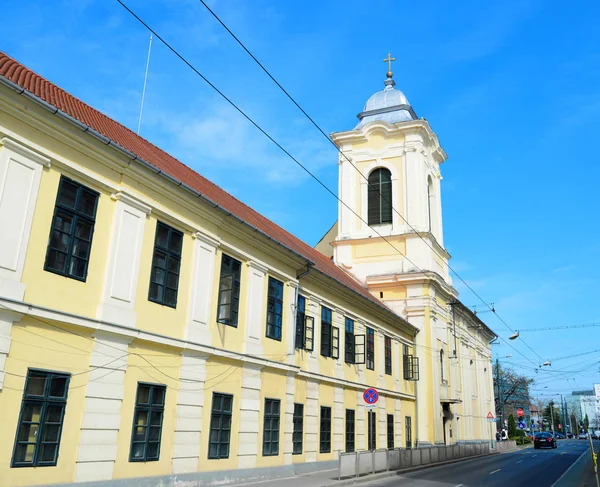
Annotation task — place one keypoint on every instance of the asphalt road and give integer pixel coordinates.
(528, 467)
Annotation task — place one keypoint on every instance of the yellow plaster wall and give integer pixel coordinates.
(38, 345)
(154, 317)
(163, 368)
(375, 250)
(325, 399)
(225, 377)
(53, 290)
(273, 386)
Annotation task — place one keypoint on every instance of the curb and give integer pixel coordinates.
(393, 473)
(564, 481)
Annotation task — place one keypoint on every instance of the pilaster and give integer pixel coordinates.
(122, 269)
(249, 416)
(398, 423)
(338, 419)
(205, 250)
(190, 403)
(7, 319)
(361, 422)
(288, 426)
(101, 421)
(381, 422)
(255, 307)
(289, 331)
(20, 175)
(311, 436)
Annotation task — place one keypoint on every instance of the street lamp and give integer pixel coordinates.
(514, 336)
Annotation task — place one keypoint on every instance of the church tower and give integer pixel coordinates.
(389, 236)
(390, 217)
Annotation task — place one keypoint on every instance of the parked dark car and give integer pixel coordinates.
(544, 439)
(559, 436)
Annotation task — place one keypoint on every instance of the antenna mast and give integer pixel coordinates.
(144, 89)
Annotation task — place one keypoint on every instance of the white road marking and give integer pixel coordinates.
(459, 485)
(519, 461)
(534, 456)
(495, 471)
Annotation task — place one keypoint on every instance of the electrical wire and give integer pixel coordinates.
(490, 308)
(313, 176)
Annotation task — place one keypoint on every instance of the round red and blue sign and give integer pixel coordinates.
(371, 396)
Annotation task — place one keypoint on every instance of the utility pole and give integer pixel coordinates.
(552, 415)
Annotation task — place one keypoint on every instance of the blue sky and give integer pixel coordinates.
(511, 88)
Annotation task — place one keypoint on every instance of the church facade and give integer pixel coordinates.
(389, 235)
(152, 325)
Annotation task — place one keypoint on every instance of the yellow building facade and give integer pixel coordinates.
(152, 325)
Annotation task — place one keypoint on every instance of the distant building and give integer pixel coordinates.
(585, 402)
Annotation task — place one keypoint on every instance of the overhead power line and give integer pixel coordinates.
(490, 308)
(564, 327)
(287, 153)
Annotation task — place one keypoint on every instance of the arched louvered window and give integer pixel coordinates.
(380, 197)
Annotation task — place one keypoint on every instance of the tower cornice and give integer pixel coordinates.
(419, 127)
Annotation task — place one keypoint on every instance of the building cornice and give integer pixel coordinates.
(18, 309)
(420, 127)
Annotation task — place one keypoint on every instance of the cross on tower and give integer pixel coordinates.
(389, 60)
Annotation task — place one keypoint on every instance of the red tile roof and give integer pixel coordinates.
(106, 126)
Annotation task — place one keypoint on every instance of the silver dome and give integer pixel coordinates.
(389, 105)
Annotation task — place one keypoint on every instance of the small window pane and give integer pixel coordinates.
(176, 242)
(24, 453)
(58, 387)
(31, 413)
(28, 432)
(158, 398)
(67, 194)
(87, 204)
(36, 386)
(152, 452)
(162, 235)
(143, 395)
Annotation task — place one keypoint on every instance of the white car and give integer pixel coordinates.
(582, 436)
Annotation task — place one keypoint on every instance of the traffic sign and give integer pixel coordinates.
(371, 396)
(520, 412)
(490, 415)
(370, 407)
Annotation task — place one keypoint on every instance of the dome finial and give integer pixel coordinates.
(389, 81)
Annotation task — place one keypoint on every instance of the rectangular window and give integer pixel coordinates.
(220, 426)
(70, 240)
(229, 291)
(164, 279)
(349, 430)
(325, 436)
(301, 323)
(408, 431)
(359, 349)
(310, 334)
(370, 348)
(41, 419)
(335, 342)
(298, 429)
(271, 428)
(326, 332)
(388, 355)
(372, 430)
(147, 423)
(410, 365)
(390, 431)
(274, 309)
(349, 354)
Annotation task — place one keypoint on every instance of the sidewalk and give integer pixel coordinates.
(328, 478)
